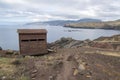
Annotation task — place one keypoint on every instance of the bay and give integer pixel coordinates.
(9, 36)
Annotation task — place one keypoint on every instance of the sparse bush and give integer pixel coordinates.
(24, 78)
(16, 62)
(10, 52)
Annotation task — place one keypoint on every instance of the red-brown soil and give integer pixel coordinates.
(74, 64)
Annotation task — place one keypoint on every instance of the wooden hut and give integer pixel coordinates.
(32, 41)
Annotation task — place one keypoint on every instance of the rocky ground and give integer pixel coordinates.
(70, 60)
(64, 64)
(110, 43)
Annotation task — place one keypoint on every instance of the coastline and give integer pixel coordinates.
(110, 25)
(90, 28)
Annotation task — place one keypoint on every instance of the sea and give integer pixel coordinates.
(9, 36)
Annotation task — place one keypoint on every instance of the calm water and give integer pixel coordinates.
(9, 36)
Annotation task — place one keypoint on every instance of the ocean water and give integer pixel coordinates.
(9, 35)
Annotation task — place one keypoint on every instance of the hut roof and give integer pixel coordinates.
(32, 31)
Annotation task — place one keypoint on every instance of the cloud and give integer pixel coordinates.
(42, 10)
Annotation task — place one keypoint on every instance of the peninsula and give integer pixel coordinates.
(114, 25)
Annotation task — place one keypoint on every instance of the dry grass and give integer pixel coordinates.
(23, 78)
(116, 54)
(7, 69)
(51, 57)
(107, 53)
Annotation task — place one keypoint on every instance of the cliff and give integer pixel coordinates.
(110, 43)
(96, 25)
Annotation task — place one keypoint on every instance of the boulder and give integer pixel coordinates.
(0, 48)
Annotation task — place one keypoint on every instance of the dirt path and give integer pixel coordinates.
(75, 64)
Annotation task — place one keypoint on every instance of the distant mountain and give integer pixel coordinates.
(11, 23)
(117, 20)
(34, 23)
(89, 20)
(53, 23)
(58, 22)
(63, 22)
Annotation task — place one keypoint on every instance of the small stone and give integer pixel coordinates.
(89, 73)
(33, 78)
(88, 76)
(50, 50)
(35, 71)
(81, 67)
(70, 58)
(50, 77)
(75, 72)
(57, 72)
(4, 77)
(33, 75)
(53, 77)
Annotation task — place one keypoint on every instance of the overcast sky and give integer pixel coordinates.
(43, 10)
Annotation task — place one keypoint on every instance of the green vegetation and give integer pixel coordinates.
(24, 78)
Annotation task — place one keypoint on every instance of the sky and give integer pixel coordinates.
(45, 10)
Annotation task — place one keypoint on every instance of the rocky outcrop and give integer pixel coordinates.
(112, 43)
(114, 38)
(68, 43)
(102, 45)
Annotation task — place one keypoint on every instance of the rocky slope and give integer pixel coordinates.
(68, 43)
(112, 43)
(96, 25)
(114, 38)
(73, 64)
(71, 60)
(64, 64)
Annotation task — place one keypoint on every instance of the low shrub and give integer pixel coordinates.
(16, 62)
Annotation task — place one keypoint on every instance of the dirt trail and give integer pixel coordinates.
(74, 64)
